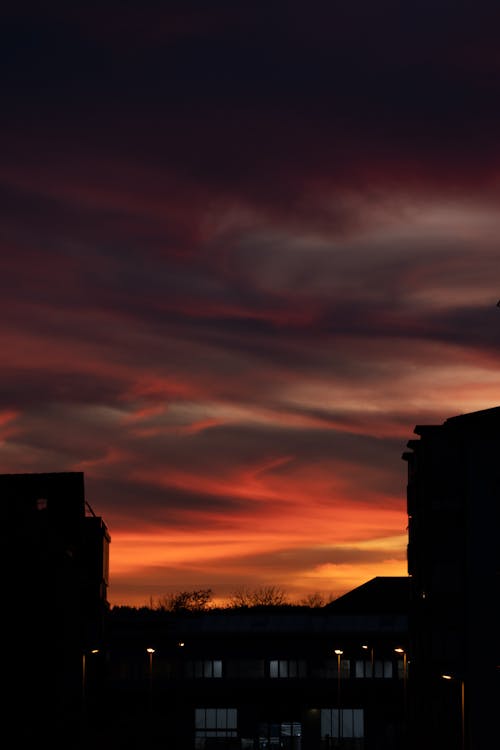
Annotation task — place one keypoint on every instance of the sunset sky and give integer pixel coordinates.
(245, 248)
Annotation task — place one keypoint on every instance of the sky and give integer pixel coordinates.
(245, 249)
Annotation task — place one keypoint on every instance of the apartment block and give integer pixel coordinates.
(453, 502)
(56, 567)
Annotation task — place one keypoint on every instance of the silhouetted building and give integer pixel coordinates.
(453, 500)
(57, 553)
(262, 679)
(366, 672)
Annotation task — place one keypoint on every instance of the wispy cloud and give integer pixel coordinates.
(242, 253)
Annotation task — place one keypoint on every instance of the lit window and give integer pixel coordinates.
(331, 668)
(383, 668)
(363, 668)
(274, 734)
(348, 722)
(204, 668)
(287, 668)
(380, 668)
(291, 729)
(214, 722)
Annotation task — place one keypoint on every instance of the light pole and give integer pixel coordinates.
(365, 647)
(84, 680)
(462, 707)
(400, 650)
(150, 652)
(339, 653)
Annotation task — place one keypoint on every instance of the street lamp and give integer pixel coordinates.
(462, 707)
(365, 647)
(400, 650)
(84, 673)
(339, 653)
(150, 652)
(84, 680)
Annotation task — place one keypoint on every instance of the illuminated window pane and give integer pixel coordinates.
(351, 723)
(358, 728)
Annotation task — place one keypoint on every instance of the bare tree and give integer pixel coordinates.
(262, 596)
(315, 599)
(182, 601)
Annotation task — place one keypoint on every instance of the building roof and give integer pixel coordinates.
(379, 595)
(484, 418)
(484, 415)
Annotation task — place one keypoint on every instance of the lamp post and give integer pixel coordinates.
(400, 650)
(150, 652)
(339, 653)
(84, 680)
(462, 707)
(366, 647)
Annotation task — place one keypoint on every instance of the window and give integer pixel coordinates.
(383, 668)
(380, 668)
(204, 668)
(348, 722)
(214, 722)
(291, 729)
(275, 734)
(363, 668)
(287, 668)
(238, 669)
(331, 668)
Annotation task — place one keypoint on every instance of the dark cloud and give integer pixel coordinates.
(244, 249)
(35, 386)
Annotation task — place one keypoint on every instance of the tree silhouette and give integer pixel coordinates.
(262, 596)
(185, 601)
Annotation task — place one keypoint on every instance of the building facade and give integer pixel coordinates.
(260, 679)
(453, 502)
(57, 552)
